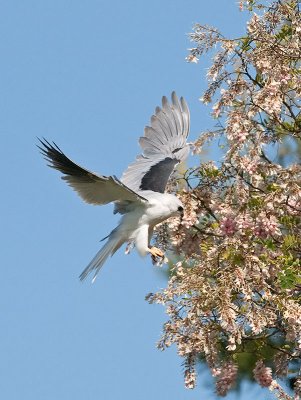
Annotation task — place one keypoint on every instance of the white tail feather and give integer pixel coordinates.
(98, 261)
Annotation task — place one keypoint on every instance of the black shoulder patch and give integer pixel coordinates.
(156, 178)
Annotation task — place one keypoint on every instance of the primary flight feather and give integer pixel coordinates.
(139, 194)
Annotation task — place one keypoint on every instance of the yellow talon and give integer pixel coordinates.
(155, 252)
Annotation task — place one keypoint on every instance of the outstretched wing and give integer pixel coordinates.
(92, 188)
(163, 146)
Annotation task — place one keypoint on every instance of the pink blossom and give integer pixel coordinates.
(262, 374)
(266, 226)
(228, 226)
(226, 378)
(190, 379)
(244, 222)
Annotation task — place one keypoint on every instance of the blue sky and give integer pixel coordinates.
(87, 75)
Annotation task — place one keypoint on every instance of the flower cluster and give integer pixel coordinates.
(236, 286)
(226, 378)
(263, 374)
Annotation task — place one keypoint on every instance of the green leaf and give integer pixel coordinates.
(290, 273)
(285, 32)
(290, 242)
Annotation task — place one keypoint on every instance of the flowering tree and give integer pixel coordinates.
(236, 286)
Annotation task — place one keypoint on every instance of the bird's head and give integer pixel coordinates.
(175, 205)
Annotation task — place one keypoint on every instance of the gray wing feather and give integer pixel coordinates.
(92, 188)
(163, 146)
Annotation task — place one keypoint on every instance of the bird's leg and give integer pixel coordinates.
(155, 252)
(129, 247)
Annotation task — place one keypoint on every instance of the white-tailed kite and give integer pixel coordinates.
(139, 194)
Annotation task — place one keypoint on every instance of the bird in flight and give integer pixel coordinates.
(139, 195)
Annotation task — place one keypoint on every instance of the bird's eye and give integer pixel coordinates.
(180, 208)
